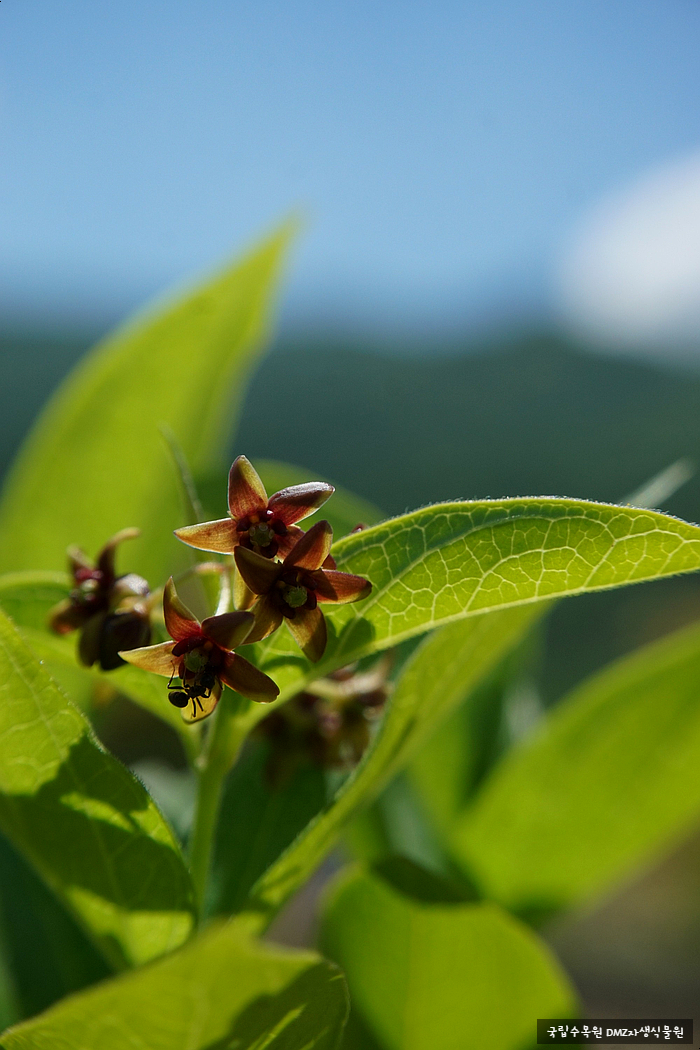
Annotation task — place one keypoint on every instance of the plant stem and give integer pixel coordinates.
(222, 746)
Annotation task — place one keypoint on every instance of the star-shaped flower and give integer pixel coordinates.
(201, 655)
(111, 612)
(291, 589)
(266, 526)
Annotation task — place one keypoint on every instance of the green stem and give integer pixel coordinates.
(227, 735)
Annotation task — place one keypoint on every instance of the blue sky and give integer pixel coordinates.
(442, 151)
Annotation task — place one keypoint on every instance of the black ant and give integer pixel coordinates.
(202, 686)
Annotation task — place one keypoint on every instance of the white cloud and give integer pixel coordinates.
(630, 276)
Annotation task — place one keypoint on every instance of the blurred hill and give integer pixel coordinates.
(532, 417)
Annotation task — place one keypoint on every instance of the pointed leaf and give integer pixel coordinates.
(606, 783)
(82, 820)
(453, 560)
(453, 976)
(437, 677)
(176, 366)
(222, 990)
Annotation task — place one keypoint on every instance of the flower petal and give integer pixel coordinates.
(298, 501)
(340, 587)
(285, 543)
(309, 630)
(179, 621)
(89, 643)
(247, 680)
(67, 616)
(267, 619)
(105, 559)
(243, 597)
(312, 549)
(219, 536)
(156, 658)
(77, 559)
(246, 492)
(122, 630)
(229, 629)
(259, 573)
(199, 709)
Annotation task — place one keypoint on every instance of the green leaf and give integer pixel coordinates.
(28, 597)
(49, 956)
(259, 821)
(453, 560)
(454, 976)
(96, 461)
(606, 783)
(222, 990)
(448, 769)
(79, 817)
(434, 681)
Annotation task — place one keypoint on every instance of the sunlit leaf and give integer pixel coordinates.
(47, 953)
(96, 461)
(605, 784)
(453, 560)
(221, 991)
(455, 976)
(82, 820)
(434, 681)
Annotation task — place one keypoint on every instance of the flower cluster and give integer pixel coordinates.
(282, 575)
(328, 724)
(285, 572)
(111, 612)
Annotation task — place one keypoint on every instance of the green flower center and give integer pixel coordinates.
(261, 534)
(195, 660)
(294, 596)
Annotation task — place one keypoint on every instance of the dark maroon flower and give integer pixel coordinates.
(266, 526)
(329, 724)
(111, 612)
(291, 589)
(201, 655)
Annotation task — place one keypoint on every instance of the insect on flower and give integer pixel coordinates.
(111, 612)
(201, 656)
(290, 590)
(266, 526)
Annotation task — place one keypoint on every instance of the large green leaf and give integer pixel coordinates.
(454, 976)
(97, 462)
(453, 560)
(434, 681)
(47, 953)
(449, 767)
(220, 991)
(258, 821)
(82, 820)
(607, 782)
